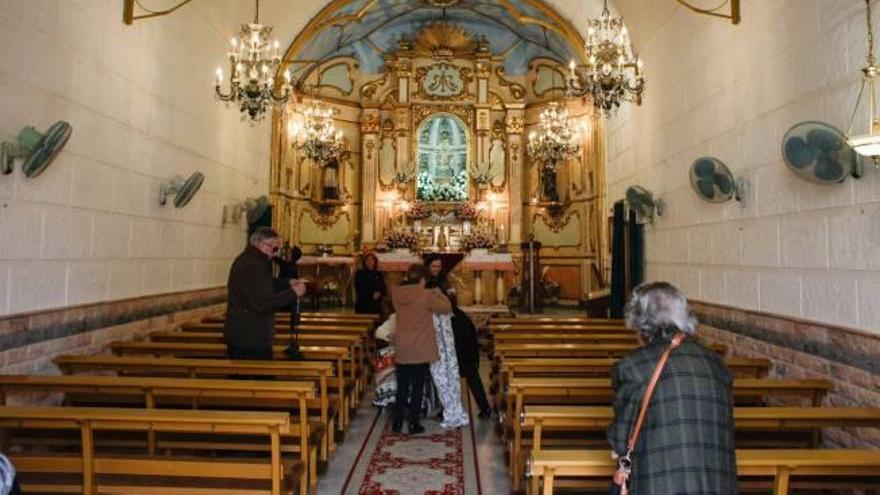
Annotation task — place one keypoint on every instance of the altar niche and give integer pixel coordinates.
(442, 156)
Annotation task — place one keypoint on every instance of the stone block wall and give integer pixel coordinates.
(800, 349)
(792, 248)
(141, 102)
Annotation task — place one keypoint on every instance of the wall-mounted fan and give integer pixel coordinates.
(183, 190)
(818, 152)
(643, 202)
(713, 181)
(37, 149)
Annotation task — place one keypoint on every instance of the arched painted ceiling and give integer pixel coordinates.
(517, 30)
(290, 17)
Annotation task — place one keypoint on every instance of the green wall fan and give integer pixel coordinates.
(37, 150)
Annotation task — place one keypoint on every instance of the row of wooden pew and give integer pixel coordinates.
(551, 387)
(170, 414)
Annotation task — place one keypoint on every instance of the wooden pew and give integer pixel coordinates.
(512, 320)
(598, 367)
(283, 328)
(320, 372)
(195, 393)
(312, 316)
(585, 419)
(779, 465)
(336, 355)
(355, 345)
(546, 350)
(567, 337)
(598, 391)
(94, 471)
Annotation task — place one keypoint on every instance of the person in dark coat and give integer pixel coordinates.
(436, 276)
(467, 350)
(253, 298)
(686, 444)
(287, 268)
(369, 287)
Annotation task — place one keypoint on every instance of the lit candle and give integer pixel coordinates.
(219, 76)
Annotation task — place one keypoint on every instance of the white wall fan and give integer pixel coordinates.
(253, 207)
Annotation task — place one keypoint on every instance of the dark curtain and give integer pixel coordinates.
(618, 261)
(636, 251)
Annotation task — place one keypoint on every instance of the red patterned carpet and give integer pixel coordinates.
(436, 462)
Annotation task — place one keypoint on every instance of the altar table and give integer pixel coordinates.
(500, 263)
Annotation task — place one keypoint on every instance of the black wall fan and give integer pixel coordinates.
(643, 202)
(714, 182)
(818, 152)
(182, 190)
(37, 149)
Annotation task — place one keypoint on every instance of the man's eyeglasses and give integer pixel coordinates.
(274, 248)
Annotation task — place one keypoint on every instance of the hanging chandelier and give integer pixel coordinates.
(316, 136)
(612, 74)
(867, 144)
(253, 63)
(556, 140)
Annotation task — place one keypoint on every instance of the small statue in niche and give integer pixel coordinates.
(444, 156)
(330, 180)
(548, 184)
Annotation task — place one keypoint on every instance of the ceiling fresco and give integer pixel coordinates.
(517, 31)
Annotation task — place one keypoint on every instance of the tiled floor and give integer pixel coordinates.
(493, 469)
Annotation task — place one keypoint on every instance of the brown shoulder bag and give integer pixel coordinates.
(625, 462)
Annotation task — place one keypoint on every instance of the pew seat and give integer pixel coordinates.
(782, 467)
(92, 469)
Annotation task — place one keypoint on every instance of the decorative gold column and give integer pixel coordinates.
(515, 126)
(369, 172)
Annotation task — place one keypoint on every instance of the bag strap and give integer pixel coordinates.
(649, 391)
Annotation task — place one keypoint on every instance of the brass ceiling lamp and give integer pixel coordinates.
(613, 73)
(867, 144)
(253, 63)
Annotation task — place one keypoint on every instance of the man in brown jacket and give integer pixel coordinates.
(254, 296)
(415, 343)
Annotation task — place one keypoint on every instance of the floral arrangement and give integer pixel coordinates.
(477, 239)
(466, 211)
(399, 239)
(418, 211)
(428, 189)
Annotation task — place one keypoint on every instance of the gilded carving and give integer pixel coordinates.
(442, 41)
(443, 82)
(370, 89)
(515, 125)
(370, 123)
(517, 91)
(420, 112)
(369, 145)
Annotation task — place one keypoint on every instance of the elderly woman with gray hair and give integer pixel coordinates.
(685, 442)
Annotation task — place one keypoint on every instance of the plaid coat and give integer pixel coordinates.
(686, 445)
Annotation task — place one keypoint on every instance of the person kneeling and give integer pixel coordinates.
(415, 343)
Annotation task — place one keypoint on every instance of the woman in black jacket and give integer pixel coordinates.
(467, 349)
(369, 286)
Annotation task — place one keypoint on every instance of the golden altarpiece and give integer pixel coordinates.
(443, 113)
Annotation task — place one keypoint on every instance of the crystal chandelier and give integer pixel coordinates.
(867, 144)
(316, 136)
(556, 140)
(613, 74)
(253, 63)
